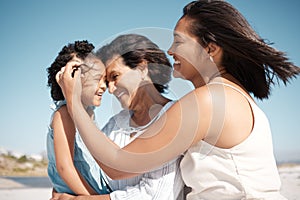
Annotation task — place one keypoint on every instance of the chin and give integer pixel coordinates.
(97, 104)
(124, 106)
(177, 74)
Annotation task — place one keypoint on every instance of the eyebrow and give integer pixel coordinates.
(83, 64)
(113, 71)
(177, 35)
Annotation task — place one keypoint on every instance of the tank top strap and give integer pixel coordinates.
(251, 101)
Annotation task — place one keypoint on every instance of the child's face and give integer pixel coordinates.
(93, 81)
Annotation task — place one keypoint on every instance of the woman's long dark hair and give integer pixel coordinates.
(246, 56)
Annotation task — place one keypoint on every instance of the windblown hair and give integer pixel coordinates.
(246, 56)
(79, 49)
(134, 49)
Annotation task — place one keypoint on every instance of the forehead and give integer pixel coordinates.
(182, 32)
(116, 63)
(93, 62)
(181, 28)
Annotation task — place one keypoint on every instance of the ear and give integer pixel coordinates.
(143, 67)
(213, 49)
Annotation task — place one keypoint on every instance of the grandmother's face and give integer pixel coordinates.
(123, 82)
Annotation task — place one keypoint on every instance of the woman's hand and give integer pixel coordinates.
(62, 196)
(69, 80)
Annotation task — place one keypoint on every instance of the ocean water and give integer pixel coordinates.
(32, 182)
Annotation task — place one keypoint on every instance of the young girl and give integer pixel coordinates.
(68, 166)
(224, 136)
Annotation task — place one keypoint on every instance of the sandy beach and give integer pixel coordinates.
(11, 189)
(290, 181)
(37, 188)
(25, 193)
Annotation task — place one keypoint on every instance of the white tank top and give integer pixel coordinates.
(245, 171)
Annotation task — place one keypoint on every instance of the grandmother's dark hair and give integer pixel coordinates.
(134, 49)
(80, 49)
(246, 56)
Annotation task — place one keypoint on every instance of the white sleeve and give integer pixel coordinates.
(164, 183)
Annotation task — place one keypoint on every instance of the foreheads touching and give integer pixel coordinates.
(92, 67)
(136, 50)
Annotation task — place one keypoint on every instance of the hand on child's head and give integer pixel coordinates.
(76, 64)
(73, 65)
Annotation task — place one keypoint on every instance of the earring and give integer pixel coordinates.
(142, 74)
(211, 59)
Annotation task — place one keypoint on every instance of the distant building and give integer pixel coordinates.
(3, 151)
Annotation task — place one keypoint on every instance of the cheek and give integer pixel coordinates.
(89, 89)
(130, 81)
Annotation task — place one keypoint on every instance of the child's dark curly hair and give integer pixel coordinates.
(80, 49)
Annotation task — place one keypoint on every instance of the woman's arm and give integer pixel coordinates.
(159, 184)
(168, 137)
(64, 137)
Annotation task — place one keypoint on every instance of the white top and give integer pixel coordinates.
(164, 183)
(245, 171)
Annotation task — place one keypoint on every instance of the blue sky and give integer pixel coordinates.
(32, 33)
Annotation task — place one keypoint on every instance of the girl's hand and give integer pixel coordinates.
(69, 80)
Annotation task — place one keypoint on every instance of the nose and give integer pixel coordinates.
(102, 85)
(111, 87)
(170, 52)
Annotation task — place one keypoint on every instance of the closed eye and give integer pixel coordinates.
(114, 77)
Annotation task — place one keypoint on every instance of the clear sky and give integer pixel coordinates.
(33, 32)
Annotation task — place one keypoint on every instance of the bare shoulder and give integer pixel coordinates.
(231, 93)
(61, 115)
(238, 116)
(201, 101)
(62, 111)
(203, 94)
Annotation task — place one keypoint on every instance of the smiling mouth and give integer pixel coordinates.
(99, 94)
(177, 62)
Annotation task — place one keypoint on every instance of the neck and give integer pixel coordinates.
(199, 81)
(146, 105)
(220, 73)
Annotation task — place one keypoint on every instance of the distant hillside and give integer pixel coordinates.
(22, 165)
(18, 164)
